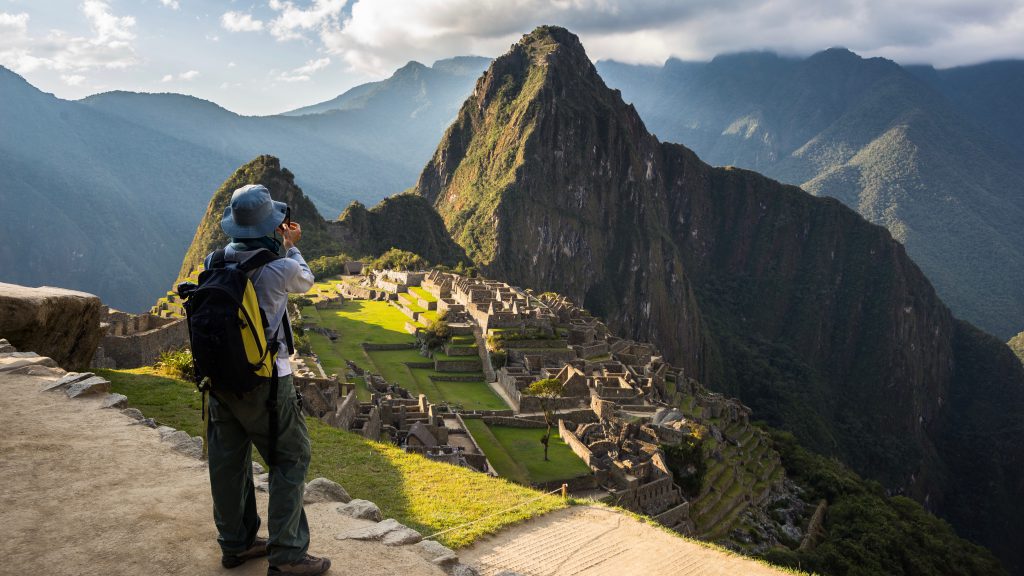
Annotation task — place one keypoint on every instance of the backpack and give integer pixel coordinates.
(227, 332)
(227, 328)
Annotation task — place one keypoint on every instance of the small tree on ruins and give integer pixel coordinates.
(547, 390)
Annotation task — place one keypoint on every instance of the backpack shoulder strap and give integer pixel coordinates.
(260, 258)
(217, 259)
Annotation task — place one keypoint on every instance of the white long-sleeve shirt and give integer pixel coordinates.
(273, 282)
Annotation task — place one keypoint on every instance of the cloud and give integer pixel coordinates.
(380, 35)
(172, 4)
(240, 22)
(304, 73)
(14, 23)
(72, 79)
(110, 45)
(186, 76)
(293, 21)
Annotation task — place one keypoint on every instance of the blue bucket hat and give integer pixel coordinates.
(252, 213)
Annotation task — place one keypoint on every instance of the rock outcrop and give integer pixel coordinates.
(1017, 345)
(62, 324)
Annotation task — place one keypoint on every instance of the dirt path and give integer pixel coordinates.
(83, 492)
(601, 542)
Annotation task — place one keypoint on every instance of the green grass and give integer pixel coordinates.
(518, 453)
(361, 321)
(169, 401)
(421, 293)
(428, 496)
(469, 395)
(410, 303)
(497, 455)
(391, 364)
(356, 322)
(524, 445)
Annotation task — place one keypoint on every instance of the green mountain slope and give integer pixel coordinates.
(930, 161)
(989, 94)
(817, 319)
(403, 221)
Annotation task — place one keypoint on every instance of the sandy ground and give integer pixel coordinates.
(600, 542)
(83, 492)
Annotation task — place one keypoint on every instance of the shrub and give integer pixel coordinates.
(301, 342)
(395, 259)
(498, 359)
(325, 266)
(299, 300)
(177, 363)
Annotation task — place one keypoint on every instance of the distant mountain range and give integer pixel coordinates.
(108, 190)
(935, 156)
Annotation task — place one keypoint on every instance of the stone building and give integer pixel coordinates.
(131, 340)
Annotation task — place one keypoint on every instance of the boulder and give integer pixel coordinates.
(437, 553)
(324, 490)
(67, 380)
(133, 413)
(465, 570)
(389, 532)
(38, 370)
(5, 346)
(361, 510)
(94, 385)
(180, 441)
(257, 468)
(19, 361)
(115, 401)
(62, 324)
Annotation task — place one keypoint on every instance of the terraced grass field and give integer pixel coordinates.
(365, 321)
(517, 454)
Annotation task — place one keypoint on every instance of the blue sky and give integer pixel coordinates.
(267, 56)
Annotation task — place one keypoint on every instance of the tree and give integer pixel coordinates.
(547, 390)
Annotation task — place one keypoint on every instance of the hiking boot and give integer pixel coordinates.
(258, 548)
(307, 566)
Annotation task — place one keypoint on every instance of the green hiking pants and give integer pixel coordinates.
(235, 425)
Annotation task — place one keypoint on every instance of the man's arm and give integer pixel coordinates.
(302, 281)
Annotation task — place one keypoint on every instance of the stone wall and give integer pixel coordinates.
(486, 465)
(370, 346)
(513, 422)
(143, 348)
(603, 408)
(345, 413)
(371, 429)
(458, 365)
(529, 404)
(552, 356)
(580, 449)
(453, 350)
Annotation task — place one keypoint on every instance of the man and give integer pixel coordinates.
(254, 221)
